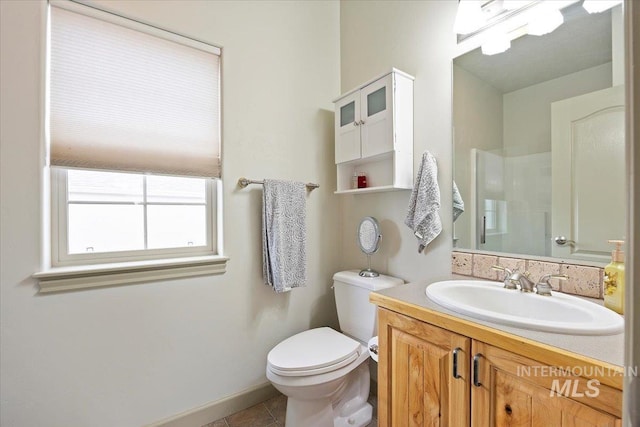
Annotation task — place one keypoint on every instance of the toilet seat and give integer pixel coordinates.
(313, 352)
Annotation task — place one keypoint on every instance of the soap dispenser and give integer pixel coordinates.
(613, 280)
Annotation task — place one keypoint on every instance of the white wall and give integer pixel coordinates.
(132, 355)
(415, 37)
(527, 111)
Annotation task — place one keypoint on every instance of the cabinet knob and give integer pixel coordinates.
(361, 122)
(356, 123)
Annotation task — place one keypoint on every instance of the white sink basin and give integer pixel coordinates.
(560, 313)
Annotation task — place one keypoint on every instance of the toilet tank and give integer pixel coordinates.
(357, 316)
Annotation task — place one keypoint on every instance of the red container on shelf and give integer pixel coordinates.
(362, 181)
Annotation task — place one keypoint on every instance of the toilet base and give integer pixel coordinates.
(320, 414)
(346, 406)
(311, 413)
(360, 418)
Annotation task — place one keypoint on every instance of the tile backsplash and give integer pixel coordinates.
(583, 280)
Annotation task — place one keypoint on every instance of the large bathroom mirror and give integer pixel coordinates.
(539, 141)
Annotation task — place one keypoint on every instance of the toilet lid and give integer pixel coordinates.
(313, 352)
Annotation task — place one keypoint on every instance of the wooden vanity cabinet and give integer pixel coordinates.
(416, 384)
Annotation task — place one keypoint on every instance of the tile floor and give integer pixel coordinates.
(270, 413)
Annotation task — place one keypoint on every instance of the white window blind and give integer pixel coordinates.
(130, 100)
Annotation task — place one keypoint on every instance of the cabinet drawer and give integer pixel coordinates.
(515, 390)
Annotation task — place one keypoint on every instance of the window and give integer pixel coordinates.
(495, 212)
(133, 125)
(107, 216)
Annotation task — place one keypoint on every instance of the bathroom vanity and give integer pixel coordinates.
(437, 367)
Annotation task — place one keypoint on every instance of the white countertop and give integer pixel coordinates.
(606, 348)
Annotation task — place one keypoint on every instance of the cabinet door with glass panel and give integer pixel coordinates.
(348, 128)
(363, 121)
(376, 130)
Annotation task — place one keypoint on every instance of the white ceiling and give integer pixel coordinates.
(583, 41)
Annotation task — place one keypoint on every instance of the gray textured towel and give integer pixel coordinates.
(458, 203)
(422, 215)
(284, 234)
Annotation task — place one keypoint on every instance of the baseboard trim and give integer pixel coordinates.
(213, 411)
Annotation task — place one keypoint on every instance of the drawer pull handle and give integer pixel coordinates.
(476, 370)
(454, 370)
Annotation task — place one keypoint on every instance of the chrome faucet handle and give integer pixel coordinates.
(506, 271)
(546, 277)
(543, 287)
(507, 276)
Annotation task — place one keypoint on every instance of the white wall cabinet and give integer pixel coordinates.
(374, 134)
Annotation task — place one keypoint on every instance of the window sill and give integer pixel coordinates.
(124, 273)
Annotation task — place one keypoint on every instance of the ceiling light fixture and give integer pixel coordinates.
(496, 42)
(469, 16)
(497, 22)
(545, 22)
(596, 6)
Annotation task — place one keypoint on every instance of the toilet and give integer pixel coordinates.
(323, 372)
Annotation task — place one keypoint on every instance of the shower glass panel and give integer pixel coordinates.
(511, 202)
(489, 195)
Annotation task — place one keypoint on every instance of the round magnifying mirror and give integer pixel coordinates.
(368, 237)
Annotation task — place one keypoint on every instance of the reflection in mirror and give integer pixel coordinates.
(539, 141)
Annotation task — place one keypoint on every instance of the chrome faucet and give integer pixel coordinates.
(516, 280)
(523, 280)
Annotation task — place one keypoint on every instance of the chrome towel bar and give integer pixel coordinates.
(243, 182)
